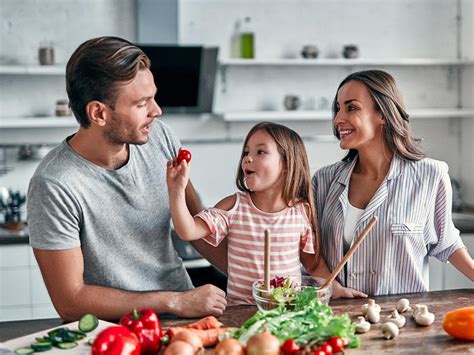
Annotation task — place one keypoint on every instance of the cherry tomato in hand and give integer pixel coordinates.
(289, 347)
(184, 154)
(337, 344)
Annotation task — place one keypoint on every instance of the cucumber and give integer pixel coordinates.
(67, 345)
(88, 323)
(43, 346)
(24, 351)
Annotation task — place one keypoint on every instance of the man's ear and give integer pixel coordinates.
(98, 112)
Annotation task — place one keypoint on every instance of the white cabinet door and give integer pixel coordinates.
(446, 276)
(15, 287)
(14, 255)
(454, 278)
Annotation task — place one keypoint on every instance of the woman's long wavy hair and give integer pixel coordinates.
(397, 134)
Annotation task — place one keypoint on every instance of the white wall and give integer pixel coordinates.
(467, 141)
(382, 29)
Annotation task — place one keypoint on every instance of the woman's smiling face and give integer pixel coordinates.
(358, 123)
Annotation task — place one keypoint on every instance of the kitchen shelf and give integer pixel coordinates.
(325, 115)
(33, 69)
(38, 122)
(346, 62)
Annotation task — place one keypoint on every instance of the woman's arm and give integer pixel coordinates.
(318, 268)
(463, 262)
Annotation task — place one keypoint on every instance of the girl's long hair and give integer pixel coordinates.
(397, 134)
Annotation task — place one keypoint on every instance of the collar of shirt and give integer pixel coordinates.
(393, 173)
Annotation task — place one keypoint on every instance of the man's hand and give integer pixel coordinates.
(338, 291)
(202, 301)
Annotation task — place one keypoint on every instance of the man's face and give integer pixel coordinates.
(134, 111)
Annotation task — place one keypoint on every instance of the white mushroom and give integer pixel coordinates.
(423, 317)
(389, 330)
(366, 306)
(396, 318)
(373, 314)
(417, 309)
(362, 326)
(403, 305)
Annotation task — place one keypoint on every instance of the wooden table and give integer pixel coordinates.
(412, 338)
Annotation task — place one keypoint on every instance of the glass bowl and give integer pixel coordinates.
(286, 295)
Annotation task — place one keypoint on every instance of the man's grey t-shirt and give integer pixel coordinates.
(119, 218)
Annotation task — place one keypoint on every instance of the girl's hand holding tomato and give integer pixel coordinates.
(177, 171)
(183, 154)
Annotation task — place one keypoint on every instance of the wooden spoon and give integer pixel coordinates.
(351, 251)
(266, 277)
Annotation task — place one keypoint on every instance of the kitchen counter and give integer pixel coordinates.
(464, 221)
(412, 338)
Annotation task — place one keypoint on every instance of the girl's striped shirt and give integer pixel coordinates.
(413, 206)
(244, 225)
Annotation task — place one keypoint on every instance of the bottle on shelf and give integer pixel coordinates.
(235, 40)
(247, 38)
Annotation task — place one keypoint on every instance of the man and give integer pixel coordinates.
(97, 204)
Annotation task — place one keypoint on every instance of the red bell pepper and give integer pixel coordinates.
(116, 340)
(146, 326)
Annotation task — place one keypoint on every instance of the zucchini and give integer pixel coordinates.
(67, 345)
(24, 351)
(88, 323)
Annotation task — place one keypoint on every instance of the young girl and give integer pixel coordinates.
(275, 194)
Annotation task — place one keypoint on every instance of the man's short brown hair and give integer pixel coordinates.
(96, 70)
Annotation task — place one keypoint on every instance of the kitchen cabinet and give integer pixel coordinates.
(23, 294)
(444, 276)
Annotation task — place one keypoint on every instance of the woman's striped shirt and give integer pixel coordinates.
(244, 226)
(413, 206)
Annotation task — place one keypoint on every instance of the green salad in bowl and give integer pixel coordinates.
(288, 290)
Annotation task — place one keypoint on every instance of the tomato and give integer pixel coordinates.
(337, 344)
(319, 352)
(184, 154)
(327, 348)
(289, 347)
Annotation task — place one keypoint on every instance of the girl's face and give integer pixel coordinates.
(358, 122)
(262, 164)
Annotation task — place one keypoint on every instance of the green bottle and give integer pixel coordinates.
(246, 40)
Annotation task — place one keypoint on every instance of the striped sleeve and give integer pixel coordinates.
(448, 239)
(218, 222)
(308, 235)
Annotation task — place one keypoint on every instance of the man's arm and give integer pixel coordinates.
(462, 261)
(63, 270)
(217, 256)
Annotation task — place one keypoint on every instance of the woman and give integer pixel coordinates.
(386, 175)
